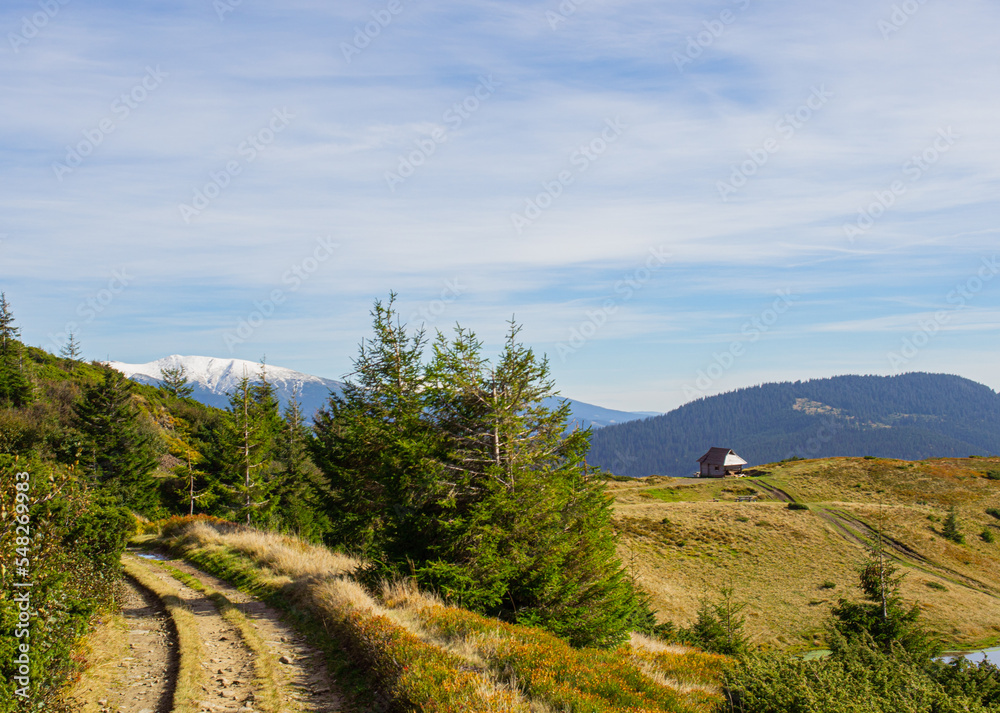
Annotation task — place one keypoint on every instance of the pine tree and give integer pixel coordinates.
(121, 451)
(525, 529)
(950, 528)
(248, 443)
(15, 386)
(373, 443)
(883, 615)
(457, 473)
(301, 486)
(174, 381)
(71, 349)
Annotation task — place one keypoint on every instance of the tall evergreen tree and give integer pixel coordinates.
(174, 381)
(15, 386)
(121, 451)
(372, 443)
(248, 442)
(882, 615)
(457, 473)
(301, 487)
(71, 349)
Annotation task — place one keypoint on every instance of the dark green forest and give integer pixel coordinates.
(910, 416)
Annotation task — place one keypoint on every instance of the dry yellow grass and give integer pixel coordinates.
(684, 546)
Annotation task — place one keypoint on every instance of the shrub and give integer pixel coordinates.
(797, 506)
(828, 585)
(994, 512)
(987, 535)
(938, 586)
(950, 529)
(993, 474)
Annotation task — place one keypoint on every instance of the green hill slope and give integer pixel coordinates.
(911, 416)
(687, 538)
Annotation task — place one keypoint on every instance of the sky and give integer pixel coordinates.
(675, 199)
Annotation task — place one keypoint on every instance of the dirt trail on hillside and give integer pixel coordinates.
(133, 660)
(227, 684)
(134, 657)
(301, 667)
(861, 533)
(776, 493)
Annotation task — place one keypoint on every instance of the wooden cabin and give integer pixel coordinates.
(721, 463)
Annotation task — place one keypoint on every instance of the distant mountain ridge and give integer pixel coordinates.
(213, 378)
(911, 416)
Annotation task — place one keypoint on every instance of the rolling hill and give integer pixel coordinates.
(910, 416)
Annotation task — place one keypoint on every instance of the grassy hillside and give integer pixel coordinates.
(686, 538)
(909, 416)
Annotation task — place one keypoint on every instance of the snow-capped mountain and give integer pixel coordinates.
(213, 378)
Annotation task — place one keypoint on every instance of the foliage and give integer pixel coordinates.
(121, 446)
(719, 625)
(993, 474)
(174, 381)
(797, 506)
(15, 384)
(882, 618)
(73, 551)
(455, 472)
(859, 676)
(987, 535)
(993, 512)
(949, 530)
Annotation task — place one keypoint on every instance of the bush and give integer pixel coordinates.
(797, 506)
(987, 535)
(938, 586)
(950, 529)
(994, 512)
(993, 474)
(828, 585)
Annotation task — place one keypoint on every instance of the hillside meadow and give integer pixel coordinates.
(684, 539)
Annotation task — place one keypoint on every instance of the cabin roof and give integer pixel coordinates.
(721, 456)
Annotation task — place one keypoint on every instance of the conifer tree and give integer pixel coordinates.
(121, 451)
(174, 381)
(15, 386)
(301, 487)
(248, 444)
(458, 474)
(71, 349)
(372, 443)
(883, 615)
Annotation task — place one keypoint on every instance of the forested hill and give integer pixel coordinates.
(910, 416)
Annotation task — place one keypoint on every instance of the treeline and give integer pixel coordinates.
(911, 416)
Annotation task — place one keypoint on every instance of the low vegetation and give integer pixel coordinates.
(436, 657)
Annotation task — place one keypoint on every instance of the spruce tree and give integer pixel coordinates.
(301, 487)
(248, 442)
(174, 381)
(882, 617)
(950, 528)
(373, 443)
(71, 349)
(121, 450)
(15, 386)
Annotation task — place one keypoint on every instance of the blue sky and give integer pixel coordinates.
(675, 199)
